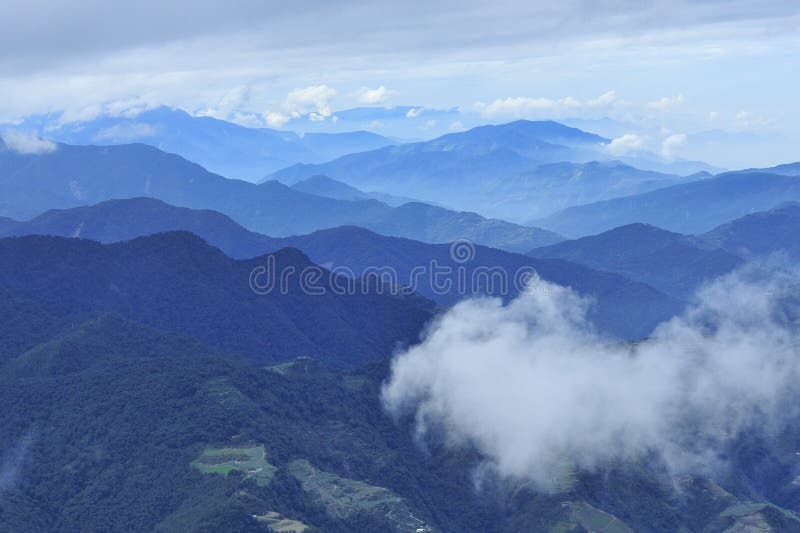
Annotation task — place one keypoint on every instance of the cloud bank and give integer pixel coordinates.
(625, 144)
(378, 95)
(27, 143)
(536, 390)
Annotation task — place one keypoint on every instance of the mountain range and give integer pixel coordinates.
(320, 185)
(689, 208)
(72, 176)
(175, 281)
(181, 351)
(516, 171)
(121, 426)
(364, 253)
(223, 147)
(760, 234)
(673, 263)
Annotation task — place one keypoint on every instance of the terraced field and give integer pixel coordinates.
(344, 497)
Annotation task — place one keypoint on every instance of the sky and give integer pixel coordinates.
(671, 68)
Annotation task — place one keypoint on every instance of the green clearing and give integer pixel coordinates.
(591, 518)
(251, 461)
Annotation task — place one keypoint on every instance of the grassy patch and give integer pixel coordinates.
(251, 461)
(590, 518)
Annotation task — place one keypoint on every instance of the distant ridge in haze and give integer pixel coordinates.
(515, 171)
(688, 208)
(321, 185)
(760, 234)
(73, 176)
(224, 147)
(673, 263)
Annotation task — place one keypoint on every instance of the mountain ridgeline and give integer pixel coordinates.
(625, 307)
(73, 176)
(229, 149)
(178, 282)
(111, 425)
(673, 263)
(515, 171)
(181, 351)
(692, 208)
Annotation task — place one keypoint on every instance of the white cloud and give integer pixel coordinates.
(456, 126)
(307, 100)
(27, 143)
(248, 120)
(537, 392)
(666, 102)
(672, 144)
(378, 95)
(526, 107)
(605, 99)
(312, 101)
(275, 119)
(751, 120)
(630, 142)
(414, 112)
(522, 107)
(232, 101)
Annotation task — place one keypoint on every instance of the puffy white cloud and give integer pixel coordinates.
(378, 95)
(414, 112)
(537, 392)
(307, 100)
(275, 119)
(522, 107)
(27, 143)
(672, 144)
(312, 101)
(526, 107)
(629, 142)
(666, 102)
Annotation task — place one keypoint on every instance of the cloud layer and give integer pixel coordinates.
(533, 388)
(27, 143)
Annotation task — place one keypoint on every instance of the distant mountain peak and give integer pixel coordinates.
(640, 228)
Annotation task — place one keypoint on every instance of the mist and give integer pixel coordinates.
(12, 461)
(535, 389)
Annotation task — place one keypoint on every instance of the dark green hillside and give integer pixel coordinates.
(673, 263)
(176, 282)
(113, 426)
(625, 307)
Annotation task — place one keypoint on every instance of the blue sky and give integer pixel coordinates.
(660, 68)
